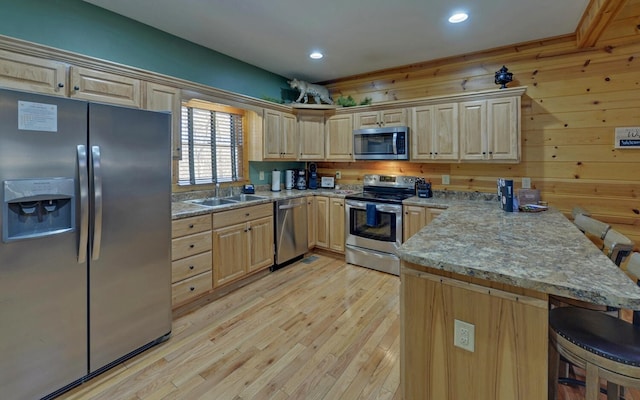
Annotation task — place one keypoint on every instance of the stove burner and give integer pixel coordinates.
(380, 197)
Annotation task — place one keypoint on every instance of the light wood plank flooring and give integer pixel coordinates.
(318, 329)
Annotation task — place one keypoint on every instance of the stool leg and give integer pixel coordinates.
(593, 382)
(613, 391)
(554, 361)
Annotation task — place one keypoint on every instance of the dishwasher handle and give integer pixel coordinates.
(290, 206)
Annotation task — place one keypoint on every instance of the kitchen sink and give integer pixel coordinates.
(212, 202)
(244, 197)
(220, 201)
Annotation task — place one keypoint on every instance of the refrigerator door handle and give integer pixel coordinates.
(97, 202)
(83, 182)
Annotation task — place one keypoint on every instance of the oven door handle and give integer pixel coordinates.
(361, 205)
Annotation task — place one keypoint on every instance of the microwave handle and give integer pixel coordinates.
(395, 143)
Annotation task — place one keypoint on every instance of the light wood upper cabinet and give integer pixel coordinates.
(489, 129)
(166, 98)
(311, 136)
(93, 85)
(280, 135)
(503, 128)
(32, 74)
(473, 130)
(377, 119)
(434, 132)
(339, 135)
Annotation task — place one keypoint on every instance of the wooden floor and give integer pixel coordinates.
(318, 329)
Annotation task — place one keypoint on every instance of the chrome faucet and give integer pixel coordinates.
(217, 192)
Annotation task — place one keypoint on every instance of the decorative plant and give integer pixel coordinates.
(366, 101)
(346, 101)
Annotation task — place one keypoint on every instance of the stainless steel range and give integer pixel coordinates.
(374, 229)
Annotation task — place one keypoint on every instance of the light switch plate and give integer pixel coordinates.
(446, 179)
(526, 183)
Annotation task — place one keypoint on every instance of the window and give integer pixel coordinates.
(212, 146)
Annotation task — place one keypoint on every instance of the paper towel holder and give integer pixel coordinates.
(275, 181)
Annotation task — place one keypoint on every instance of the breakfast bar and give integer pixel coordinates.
(475, 292)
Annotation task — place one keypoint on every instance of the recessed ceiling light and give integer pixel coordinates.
(316, 55)
(458, 17)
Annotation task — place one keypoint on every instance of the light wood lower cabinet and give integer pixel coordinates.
(415, 218)
(191, 258)
(312, 222)
(330, 223)
(336, 224)
(509, 360)
(242, 242)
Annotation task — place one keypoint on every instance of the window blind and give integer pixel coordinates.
(212, 147)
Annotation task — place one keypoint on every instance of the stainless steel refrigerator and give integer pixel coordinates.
(86, 234)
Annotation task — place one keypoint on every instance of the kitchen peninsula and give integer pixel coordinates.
(494, 270)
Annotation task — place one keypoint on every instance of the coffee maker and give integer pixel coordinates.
(313, 176)
(302, 180)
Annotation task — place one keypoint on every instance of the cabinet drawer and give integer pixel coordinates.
(190, 288)
(241, 215)
(190, 266)
(190, 245)
(188, 226)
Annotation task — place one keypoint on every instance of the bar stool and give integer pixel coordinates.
(606, 347)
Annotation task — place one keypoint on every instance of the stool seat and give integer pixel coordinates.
(599, 333)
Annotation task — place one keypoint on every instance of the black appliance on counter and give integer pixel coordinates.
(374, 218)
(313, 176)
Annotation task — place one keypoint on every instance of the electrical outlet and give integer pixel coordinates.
(261, 175)
(464, 335)
(526, 183)
(446, 179)
(338, 175)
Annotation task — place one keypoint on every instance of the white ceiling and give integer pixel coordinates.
(355, 36)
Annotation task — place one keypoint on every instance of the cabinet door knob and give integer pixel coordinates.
(491, 152)
(76, 88)
(61, 85)
(191, 267)
(191, 246)
(192, 288)
(247, 214)
(190, 226)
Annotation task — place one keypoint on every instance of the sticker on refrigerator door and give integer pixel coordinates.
(37, 116)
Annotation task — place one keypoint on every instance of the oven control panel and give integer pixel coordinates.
(397, 181)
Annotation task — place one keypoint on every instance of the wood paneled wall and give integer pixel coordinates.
(574, 100)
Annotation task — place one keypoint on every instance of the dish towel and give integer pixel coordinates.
(372, 215)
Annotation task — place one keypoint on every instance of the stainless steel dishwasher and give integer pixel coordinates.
(291, 229)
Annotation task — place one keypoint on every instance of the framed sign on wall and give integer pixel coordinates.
(627, 138)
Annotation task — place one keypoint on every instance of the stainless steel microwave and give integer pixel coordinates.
(386, 143)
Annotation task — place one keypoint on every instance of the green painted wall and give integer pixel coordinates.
(83, 28)
(267, 167)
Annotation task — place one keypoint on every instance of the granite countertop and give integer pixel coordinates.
(185, 209)
(541, 251)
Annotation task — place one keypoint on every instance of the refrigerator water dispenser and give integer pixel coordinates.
(34, 208)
